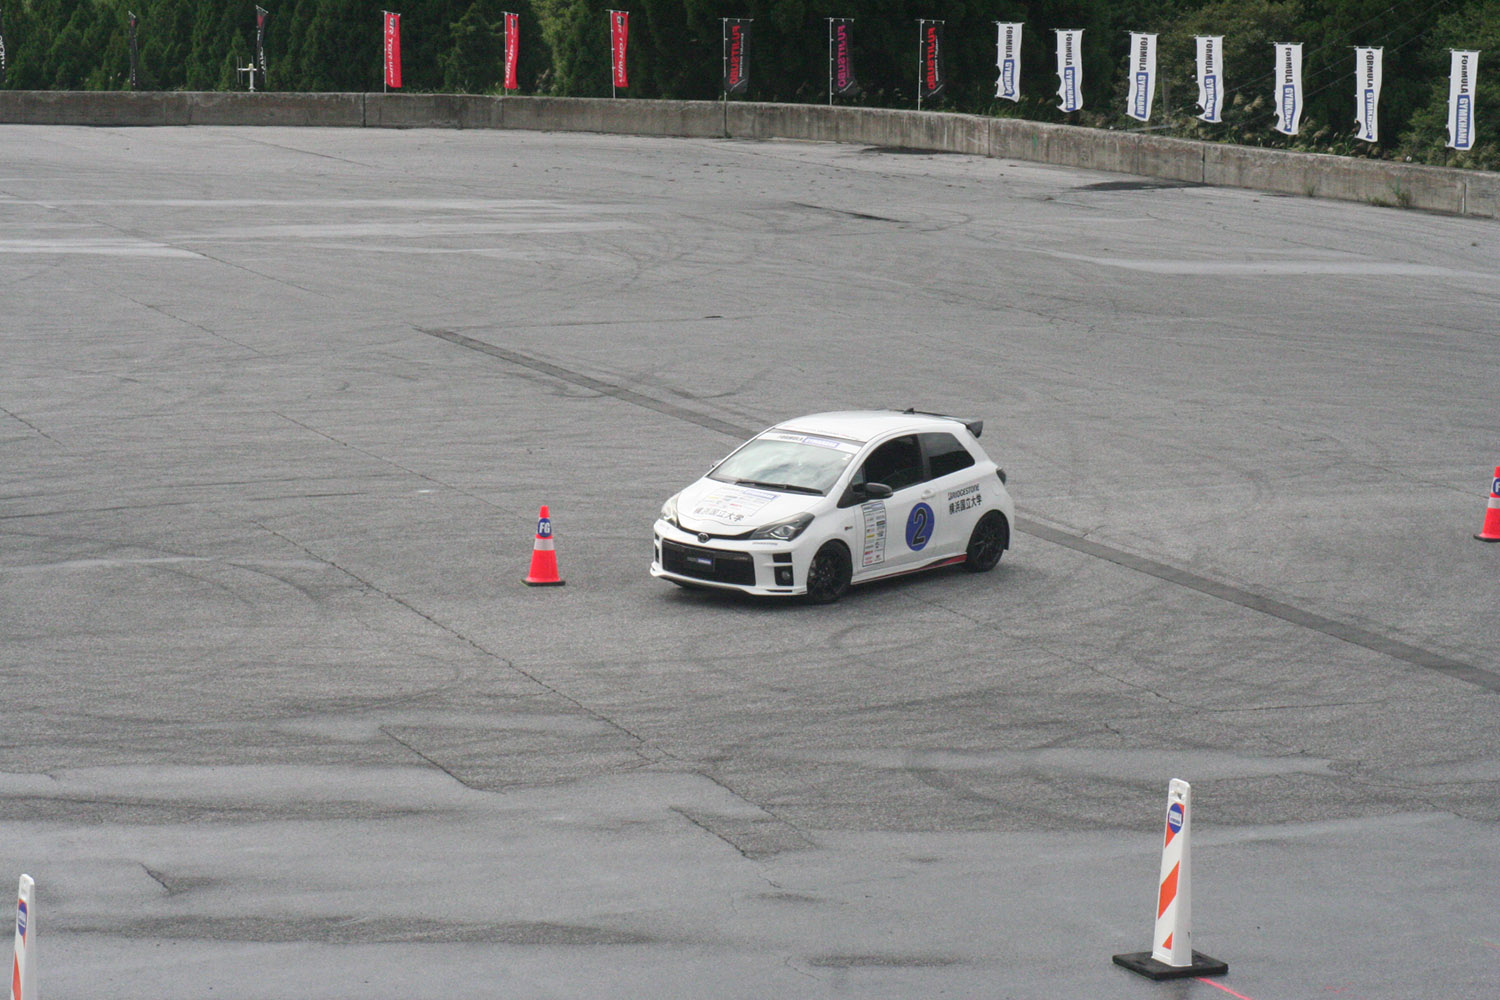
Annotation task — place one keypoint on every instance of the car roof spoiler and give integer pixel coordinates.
(976, 427)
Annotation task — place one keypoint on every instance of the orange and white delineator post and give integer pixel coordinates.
(543, 555)
(1174, 899)
(1172, 955)
(1491, 530)
(23, 969)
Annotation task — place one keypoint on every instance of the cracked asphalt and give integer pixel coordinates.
(277, 411)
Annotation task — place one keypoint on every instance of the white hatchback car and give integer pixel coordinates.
(816, 504)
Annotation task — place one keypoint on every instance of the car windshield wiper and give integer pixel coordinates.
(784, 487)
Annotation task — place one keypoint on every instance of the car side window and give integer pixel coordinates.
(945, 454)
(897, 463)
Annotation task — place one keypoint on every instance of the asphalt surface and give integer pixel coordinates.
(277, 411)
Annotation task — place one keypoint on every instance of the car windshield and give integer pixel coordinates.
(785, 460)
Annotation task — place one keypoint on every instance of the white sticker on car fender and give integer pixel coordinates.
(873, 514)
(964, 499)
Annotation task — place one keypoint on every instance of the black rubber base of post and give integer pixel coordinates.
(1481, 538)
(543, 583)
(1142, 964)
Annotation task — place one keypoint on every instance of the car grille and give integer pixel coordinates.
(707, 564)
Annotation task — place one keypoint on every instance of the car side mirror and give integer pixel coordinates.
(858, 493)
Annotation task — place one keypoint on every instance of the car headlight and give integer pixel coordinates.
(783, 531)
(669, 511)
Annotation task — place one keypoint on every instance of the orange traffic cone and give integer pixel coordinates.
(543, 556)
(1491, 530)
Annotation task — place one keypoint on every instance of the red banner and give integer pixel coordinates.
(619, 38)
(736, 55)
(842, 59)
(392, 49)
(512, 50)
(933, 79)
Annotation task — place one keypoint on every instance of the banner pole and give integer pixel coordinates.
(830, 62)
(134, 49)
(921, 23)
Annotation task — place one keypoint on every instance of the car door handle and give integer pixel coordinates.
(929, 495)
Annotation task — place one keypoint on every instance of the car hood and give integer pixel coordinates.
(725, 509)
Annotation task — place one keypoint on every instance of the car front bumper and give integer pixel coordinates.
(770, 568)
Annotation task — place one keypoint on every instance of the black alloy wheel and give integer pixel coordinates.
(987, 543)
(828, 576)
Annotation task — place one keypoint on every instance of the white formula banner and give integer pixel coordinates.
(1142, 76)
(1461, 100)
(1008, 61)
(1367, 71)
(1070, 68)
(1211, 77)
(1288, 87)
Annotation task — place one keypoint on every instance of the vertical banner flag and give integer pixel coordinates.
(2, 46)
(135, 51)
(1142, 76)
(392, 49)
(1367, 70)
(1211, 77)
(1070, 68)
(840, 58)
(1288, 87)
(931, 81)
(1008, 61)
(619, 41)
(736, 54)
(1461, 99)
(512, 49)
(260, 42)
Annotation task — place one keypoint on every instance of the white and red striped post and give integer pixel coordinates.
(1172, 955)
(1174, 898)
(23, 969)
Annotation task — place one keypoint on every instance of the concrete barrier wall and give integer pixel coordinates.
(1314, 175)
(430, 111)
(869, 126)
(345, 110)
(691, 119)
(1319, 176)
(1096, 149)
(1482, 194)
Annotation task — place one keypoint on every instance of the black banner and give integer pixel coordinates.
(260, 43)
(841, 55)
(135, 52)
(932, 80)
(736, 55)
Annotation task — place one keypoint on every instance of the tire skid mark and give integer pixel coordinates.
(1343, 631)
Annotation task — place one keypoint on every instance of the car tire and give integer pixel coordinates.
(828, 574)
(987, 543)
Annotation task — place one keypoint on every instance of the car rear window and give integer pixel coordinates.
(945, 454)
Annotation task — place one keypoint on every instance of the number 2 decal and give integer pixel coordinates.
(919, 527)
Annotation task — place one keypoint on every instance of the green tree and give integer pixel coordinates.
(1475, 26)
(1251, 28)
(475, 61)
